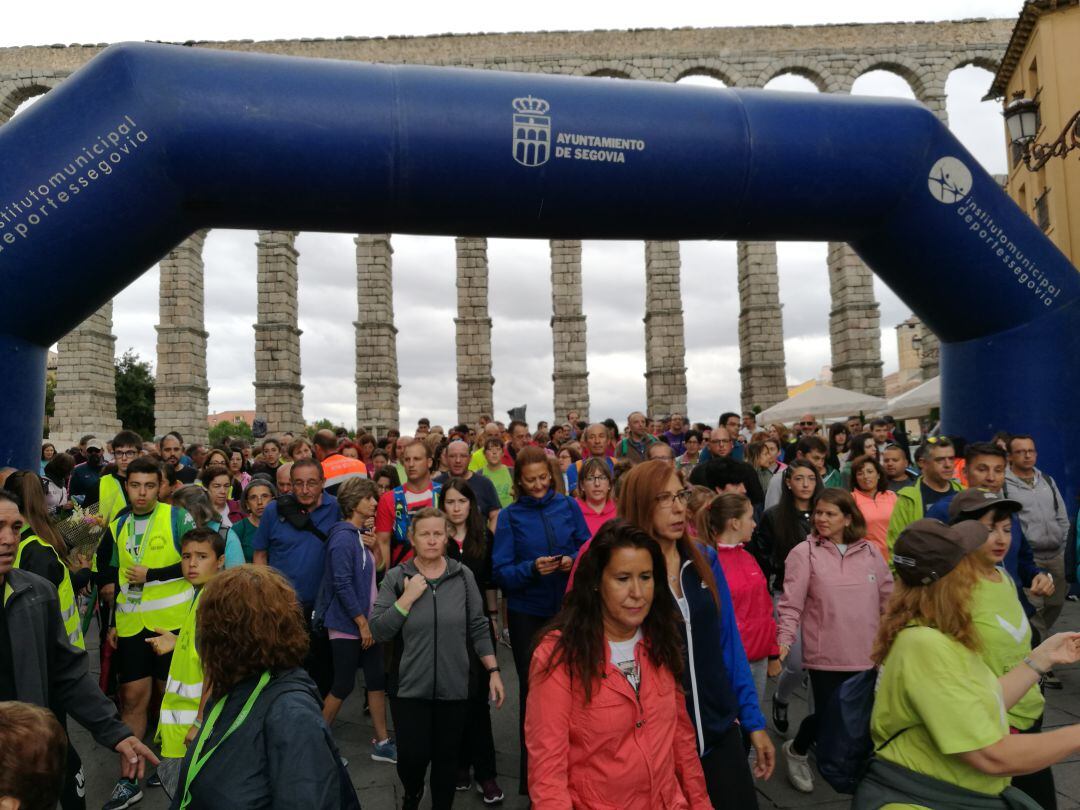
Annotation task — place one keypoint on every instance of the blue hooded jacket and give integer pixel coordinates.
(550, 526)
(717, 681)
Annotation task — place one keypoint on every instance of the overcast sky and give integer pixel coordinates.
(520, 289)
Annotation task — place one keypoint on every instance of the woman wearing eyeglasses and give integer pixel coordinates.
(719, 687)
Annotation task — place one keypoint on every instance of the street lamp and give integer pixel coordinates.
(1022, 123)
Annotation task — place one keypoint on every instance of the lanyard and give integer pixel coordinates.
(140, 547)
(198, 759)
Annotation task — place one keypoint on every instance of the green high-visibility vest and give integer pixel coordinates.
(161, 603)
(68, 608)
(183, 690)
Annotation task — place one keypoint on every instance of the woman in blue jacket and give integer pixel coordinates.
(717, 681)
(537, 538)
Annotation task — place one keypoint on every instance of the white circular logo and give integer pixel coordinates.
(950, 180)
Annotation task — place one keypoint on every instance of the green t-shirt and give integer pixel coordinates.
(1006, 638)
(245, 533)
(948, 701)
(503, 481)
(477, 461)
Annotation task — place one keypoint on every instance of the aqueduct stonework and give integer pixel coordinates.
(830, 56)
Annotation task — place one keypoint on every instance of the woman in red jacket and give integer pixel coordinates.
(606, 723)
(727, 524)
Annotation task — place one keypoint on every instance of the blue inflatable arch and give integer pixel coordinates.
(148, 143)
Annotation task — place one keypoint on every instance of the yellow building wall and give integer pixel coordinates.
(1051, 61)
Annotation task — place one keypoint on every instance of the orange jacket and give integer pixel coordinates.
(620, 750)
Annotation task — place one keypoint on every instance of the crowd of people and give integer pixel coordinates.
(648, 578)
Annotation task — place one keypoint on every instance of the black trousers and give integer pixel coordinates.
(824, 683)
(1038, 785)
(478, 741)
(428, 732)
(73, 794)
(727, 773)
(523, 628)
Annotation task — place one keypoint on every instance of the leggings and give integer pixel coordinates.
(348, 654)
(727, 773)
(824, 683)
(1039, 785)
(428, 731)
(478, 740)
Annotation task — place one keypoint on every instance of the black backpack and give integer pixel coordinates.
(844, 744)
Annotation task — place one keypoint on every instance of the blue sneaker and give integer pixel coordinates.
(384, 751)
(154, 781)
(124, 795)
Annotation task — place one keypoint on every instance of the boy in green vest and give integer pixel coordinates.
(497, 472)
(151, 594)
(202, 556)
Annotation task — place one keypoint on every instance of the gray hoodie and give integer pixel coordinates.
(433, 645)
(1044, 518)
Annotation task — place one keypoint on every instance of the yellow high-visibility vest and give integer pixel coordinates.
(161, 603)
(68, 608)
(183, 690)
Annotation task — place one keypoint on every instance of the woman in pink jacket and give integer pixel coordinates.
(727, 524)
(595, 495)
(836, 584)
(606, 724)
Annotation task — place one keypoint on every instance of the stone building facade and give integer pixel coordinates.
(830, 56)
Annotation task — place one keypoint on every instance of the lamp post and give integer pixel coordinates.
(1022, 122)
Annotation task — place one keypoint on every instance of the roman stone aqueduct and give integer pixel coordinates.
(830, 56)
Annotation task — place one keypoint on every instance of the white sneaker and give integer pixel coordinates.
(798, 770)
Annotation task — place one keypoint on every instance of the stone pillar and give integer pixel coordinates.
(376, 337)
(571, 373)
(665, 339)
(279, 396)
(473, 331)
(761, 328)
(86, 382)
(180, 397)
(854, 323)
(929, 352)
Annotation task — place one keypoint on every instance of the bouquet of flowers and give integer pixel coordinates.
(81, 530)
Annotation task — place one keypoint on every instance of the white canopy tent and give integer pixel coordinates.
(824, 402)
(917, 402)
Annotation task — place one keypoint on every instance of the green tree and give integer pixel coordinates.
(224, 431)
(135, 394)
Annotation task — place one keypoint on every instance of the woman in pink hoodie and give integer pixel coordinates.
(727, 524)
(836, 585)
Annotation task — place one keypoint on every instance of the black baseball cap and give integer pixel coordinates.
(971, 503)
(928, 549)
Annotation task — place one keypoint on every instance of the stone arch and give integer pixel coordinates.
(611, 69)
(985, 59)
(714, 68)
(806, 66)
(907, 69)
(14, 92)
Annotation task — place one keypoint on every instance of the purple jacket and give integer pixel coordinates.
(348, 579)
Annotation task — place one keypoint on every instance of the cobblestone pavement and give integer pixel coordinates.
(378, 788)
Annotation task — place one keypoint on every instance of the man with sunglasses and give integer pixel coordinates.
(936, 458)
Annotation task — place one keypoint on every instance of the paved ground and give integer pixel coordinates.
(379, 789)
